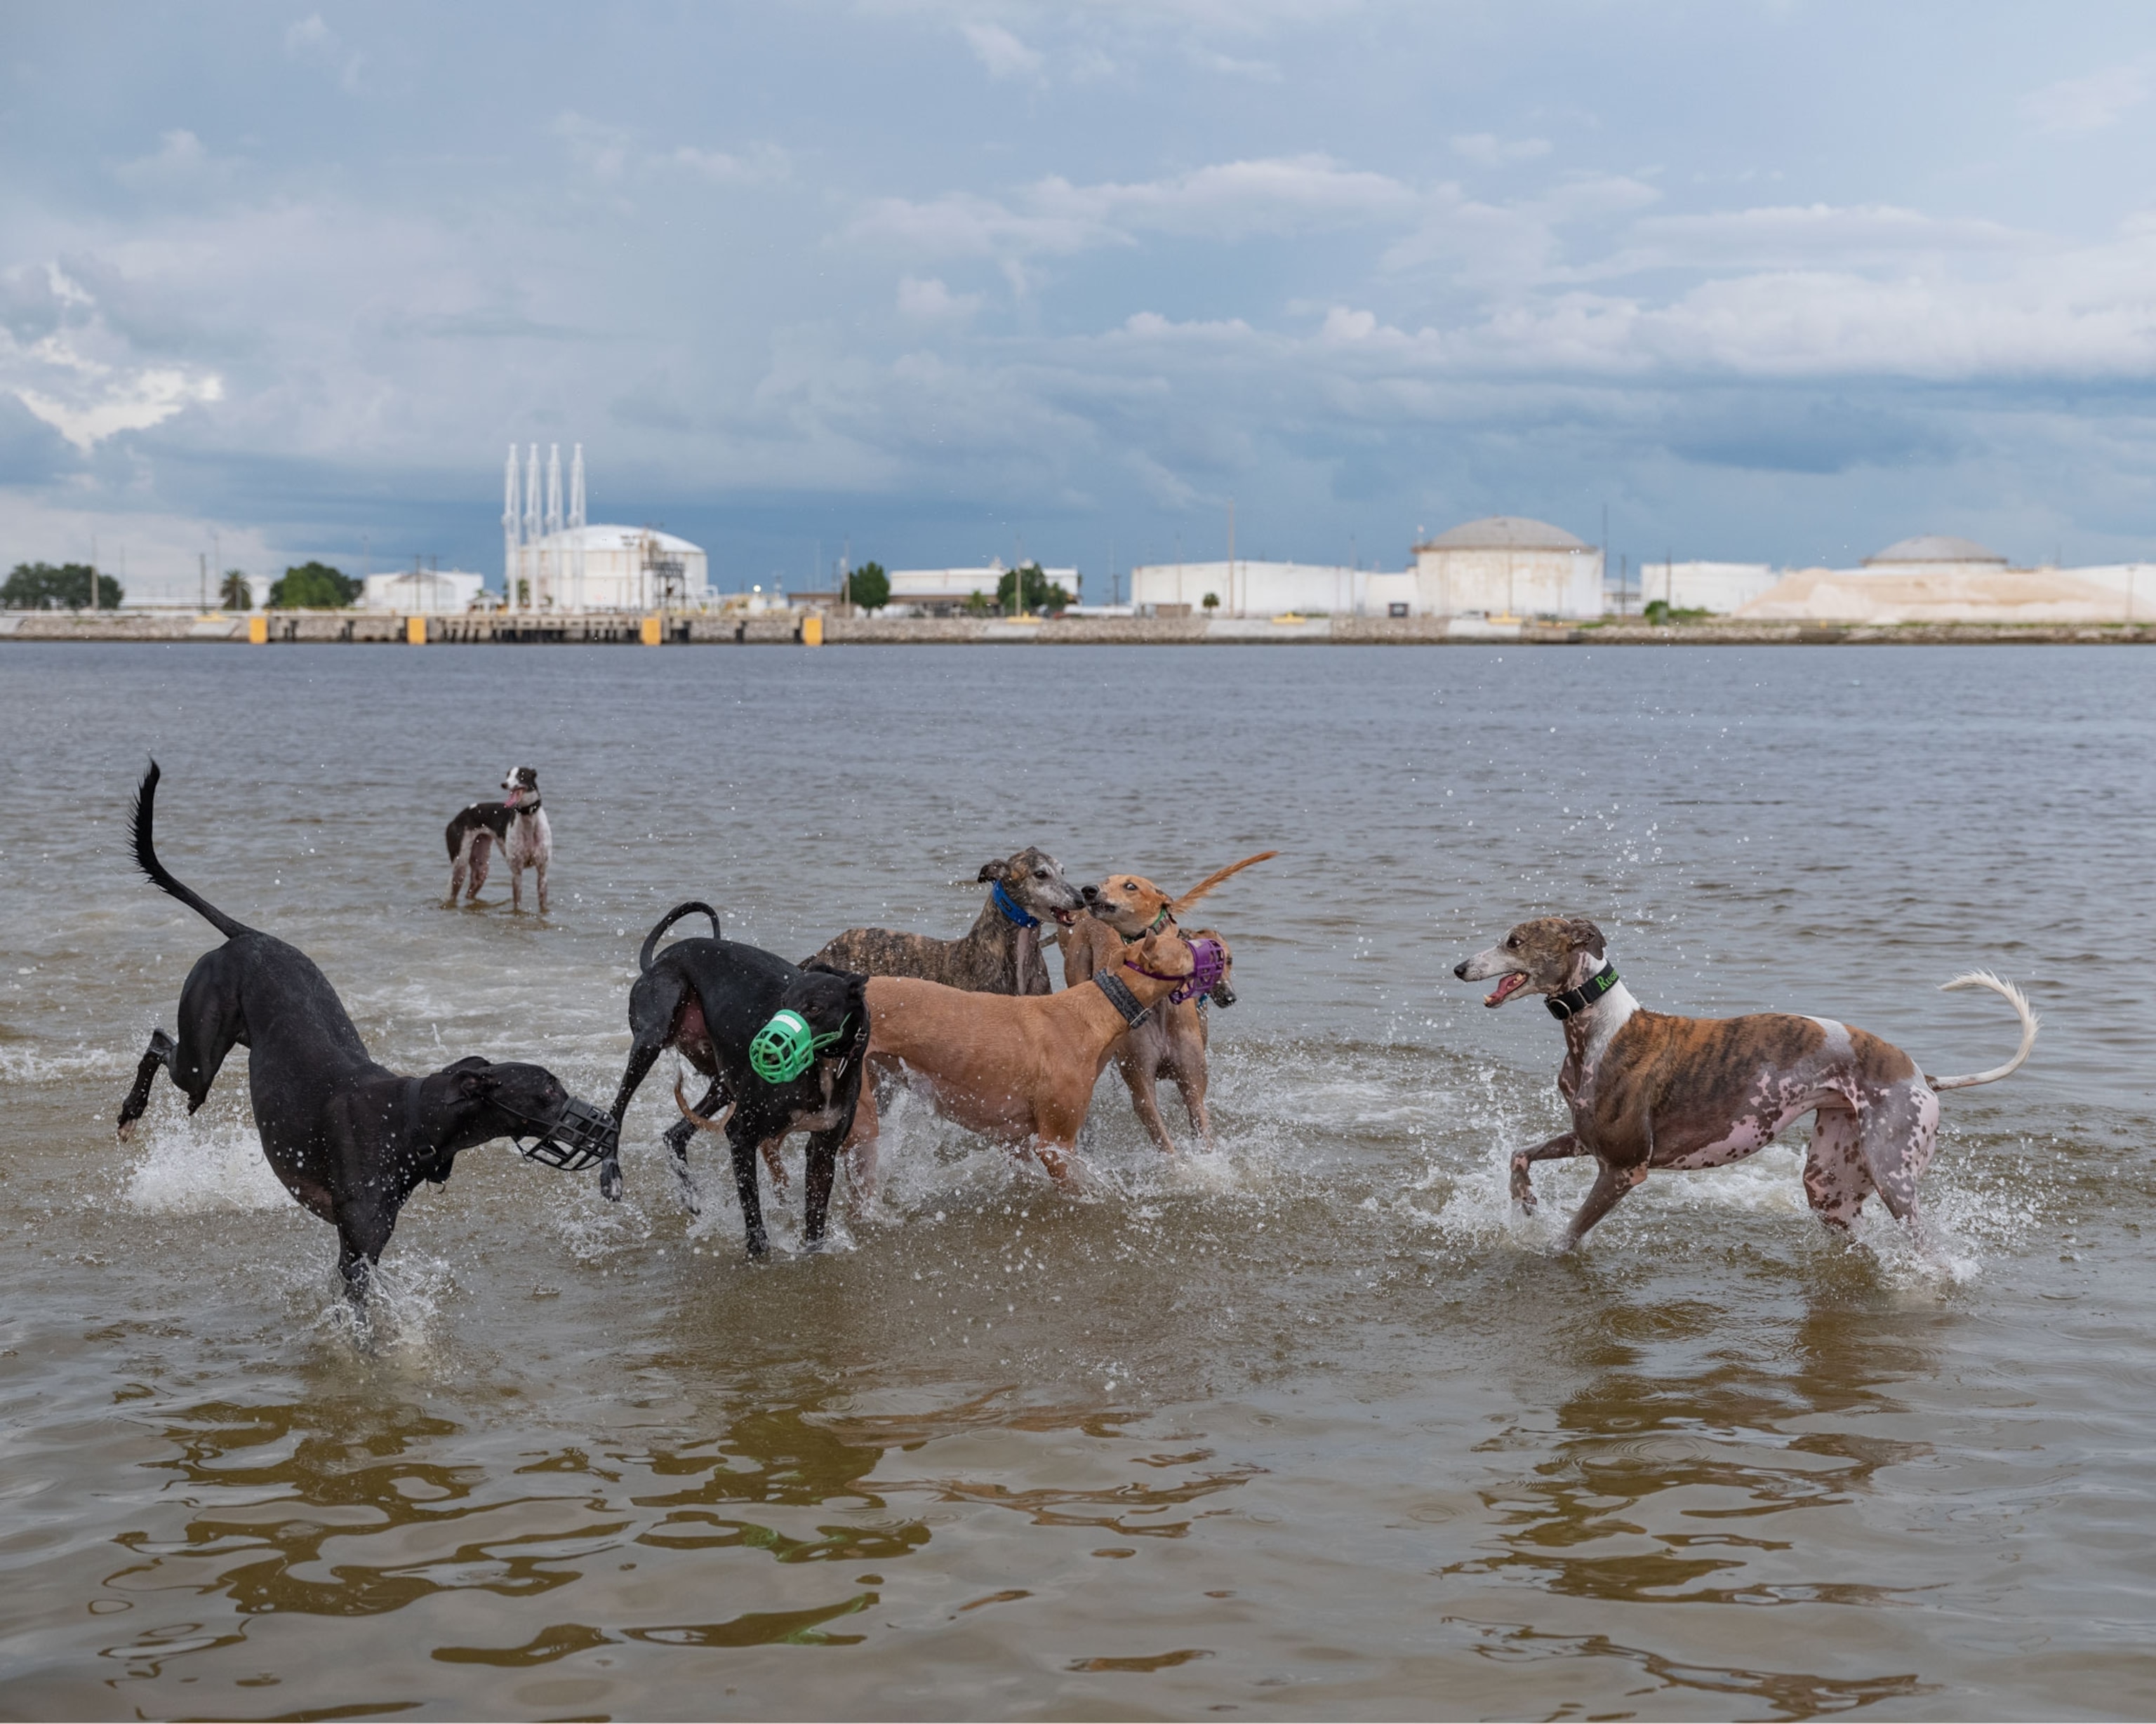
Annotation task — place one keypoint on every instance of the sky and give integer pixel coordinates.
(936, 282)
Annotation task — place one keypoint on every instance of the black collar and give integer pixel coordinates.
(522, 808)
(1571, 1004)
(1120, 996)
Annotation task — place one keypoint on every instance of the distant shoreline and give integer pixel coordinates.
(386, 628)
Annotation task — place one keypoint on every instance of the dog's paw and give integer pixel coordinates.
(610, 1181)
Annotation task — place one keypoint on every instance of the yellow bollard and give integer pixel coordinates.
(652, 631)
(258, 631)
(812, 631)
(415, 631)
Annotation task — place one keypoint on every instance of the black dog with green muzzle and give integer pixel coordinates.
(783, 1044)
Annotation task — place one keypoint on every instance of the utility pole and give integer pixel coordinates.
(201, 558)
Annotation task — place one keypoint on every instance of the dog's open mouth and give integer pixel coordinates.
(1064, 918)
(1507, 987)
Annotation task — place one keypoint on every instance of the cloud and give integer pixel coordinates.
(313, 43)
(930, 301)
(2089, 104)
(999, 50)
(63, 362)
(1228, 201)
(1491, 150)
(180, 164)
(763, 162)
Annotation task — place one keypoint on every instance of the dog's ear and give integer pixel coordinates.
(470, 1062)
(1583, 936)
(989, 870)
(476, 1082)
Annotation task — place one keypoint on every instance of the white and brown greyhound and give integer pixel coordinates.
(1648, 1091)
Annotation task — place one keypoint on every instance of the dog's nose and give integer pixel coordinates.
(1459, 969)
(1089, 893)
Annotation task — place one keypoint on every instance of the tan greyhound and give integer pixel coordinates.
(1017, 1068)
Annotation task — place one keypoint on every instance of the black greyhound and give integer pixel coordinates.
(708, 998)
(349, 1139)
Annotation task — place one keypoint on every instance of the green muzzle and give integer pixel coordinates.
(786, 1047)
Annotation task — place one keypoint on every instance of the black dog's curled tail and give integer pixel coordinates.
(667, 920)
(141, 818)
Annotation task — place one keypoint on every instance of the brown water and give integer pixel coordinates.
(1314, 1427)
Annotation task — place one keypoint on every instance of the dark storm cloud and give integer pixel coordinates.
(939, 276)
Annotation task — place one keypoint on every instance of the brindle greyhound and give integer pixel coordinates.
(1648, 1091)
(999, 954)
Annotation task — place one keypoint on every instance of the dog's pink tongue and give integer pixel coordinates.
(1505, 988)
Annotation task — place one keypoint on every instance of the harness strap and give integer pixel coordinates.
(1573, 1002)
(1120, 996)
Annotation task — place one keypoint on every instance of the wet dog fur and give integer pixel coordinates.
(1173, 1040)
(1170, 1042)
(349, 1139)
(995, 956)
(1019, 1069)
(1648, 1091)
(707, 998)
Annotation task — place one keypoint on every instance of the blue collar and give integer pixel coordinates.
(1004, 902)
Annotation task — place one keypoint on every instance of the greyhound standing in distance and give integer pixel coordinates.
(518, 824)
(1648, 1091)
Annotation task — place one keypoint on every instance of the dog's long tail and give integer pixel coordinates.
(2013, 997)
(667, 920)
(1211, 880)
(695, 1119)
(141, 819)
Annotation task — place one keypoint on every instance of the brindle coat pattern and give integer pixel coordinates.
(994, 956)
(1650, 1090)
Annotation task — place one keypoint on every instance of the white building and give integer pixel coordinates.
(1504, 565)
(1246, 588)
(1721, 588)
(1938, 579)
(553, 560)
(939, 592)
(422, 592)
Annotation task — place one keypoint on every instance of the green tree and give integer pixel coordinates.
(42, 587)
(869, 586)
(977, 603)
(1211, 601)
(235, 594)
(1030, 589)
(313, 586)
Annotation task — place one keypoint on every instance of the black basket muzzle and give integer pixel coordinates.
(578, 1136)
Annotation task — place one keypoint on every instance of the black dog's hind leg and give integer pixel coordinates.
(640, 1060)
(677, 1137)
(160, 1055)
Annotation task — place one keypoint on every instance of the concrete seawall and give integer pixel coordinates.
(383, 628)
